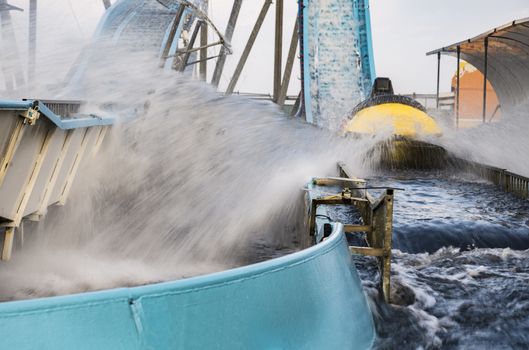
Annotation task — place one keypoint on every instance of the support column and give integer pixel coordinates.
(289, 65)
(32, 42)
(189, 48)
(172, 34)
(203, 66)
(278, 51)
(438, 78)
(485, 71)
(458, 85)
(248, 47)
(227, 36)
(7, 247)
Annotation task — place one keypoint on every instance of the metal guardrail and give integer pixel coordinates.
(506, 180)
(377, 219)
(63, 108)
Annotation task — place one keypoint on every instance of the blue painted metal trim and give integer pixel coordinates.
(79, 121)
(312, 299)
(370, 42)
(15, 105)
(365, 41)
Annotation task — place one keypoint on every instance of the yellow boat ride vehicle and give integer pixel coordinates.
(406, 124)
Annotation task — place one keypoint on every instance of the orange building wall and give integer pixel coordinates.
(471, 96)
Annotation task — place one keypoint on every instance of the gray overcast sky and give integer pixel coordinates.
(403, 31)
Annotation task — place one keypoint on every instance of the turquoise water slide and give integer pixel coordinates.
(312, 299)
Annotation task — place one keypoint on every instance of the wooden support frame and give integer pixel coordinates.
(11, 148)
(30, 184)
(248, 47)
(377, 217)
(55, 173)
(75, 167)
(7, 247)
(99, 141)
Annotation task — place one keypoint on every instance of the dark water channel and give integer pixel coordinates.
(460, 265)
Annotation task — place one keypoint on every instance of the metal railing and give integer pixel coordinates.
(506, 180)
(64, 109)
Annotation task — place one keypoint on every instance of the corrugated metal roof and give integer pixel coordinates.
(508, 59)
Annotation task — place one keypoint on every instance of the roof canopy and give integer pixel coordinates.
(507, 59)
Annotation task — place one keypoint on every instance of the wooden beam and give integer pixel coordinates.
(289, 65)
(386, 260)
(55, 173)
(248, 47)
(357, 228)
(75, 166)
(30, 184)
(278, 51)
(7, 248)
(11, 148)
(228, 35)
(366, 251)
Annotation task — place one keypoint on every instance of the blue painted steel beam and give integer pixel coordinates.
(77, 121)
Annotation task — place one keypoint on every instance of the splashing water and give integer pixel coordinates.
(181, 188)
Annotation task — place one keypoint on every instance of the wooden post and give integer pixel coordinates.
(172, 34)
(219, 67)
(289, 65)
(278, 51)
(248, 47)
(386, 260)
(7, 248)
